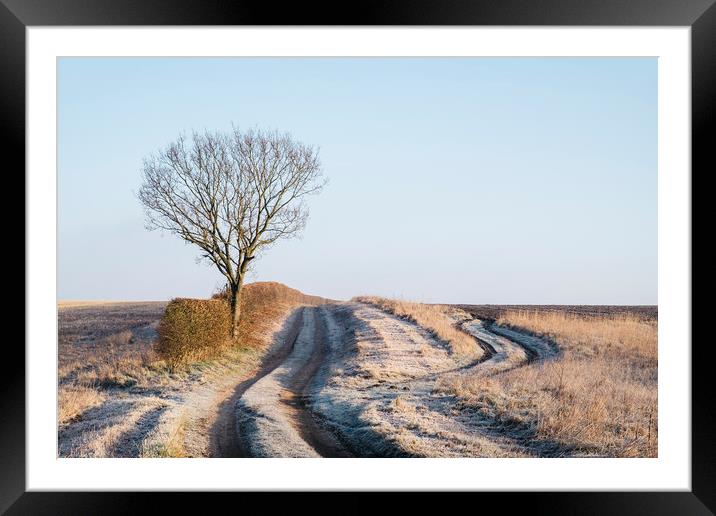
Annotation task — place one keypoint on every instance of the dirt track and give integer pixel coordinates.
(351, 380)
(225, 437)
(272, 415)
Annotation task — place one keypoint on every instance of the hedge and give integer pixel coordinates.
(193, 330)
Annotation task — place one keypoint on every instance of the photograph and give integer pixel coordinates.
(356, 257)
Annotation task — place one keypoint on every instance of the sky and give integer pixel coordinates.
(452, 180)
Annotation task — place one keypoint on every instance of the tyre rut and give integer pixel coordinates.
(272, 411)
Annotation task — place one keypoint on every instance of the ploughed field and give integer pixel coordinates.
(372, 377)
(492, 312)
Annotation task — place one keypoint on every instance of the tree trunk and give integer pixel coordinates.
(235, 308)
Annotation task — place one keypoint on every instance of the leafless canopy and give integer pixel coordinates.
(231, 194)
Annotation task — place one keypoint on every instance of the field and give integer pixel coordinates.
(492, 312)
(371, 377)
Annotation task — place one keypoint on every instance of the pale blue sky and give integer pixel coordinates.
(462, 180)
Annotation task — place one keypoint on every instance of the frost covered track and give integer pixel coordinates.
(381, 390)
(510, 348)
(352, 380)
(273, 417)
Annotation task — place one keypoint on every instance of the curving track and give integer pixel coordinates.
(351, 380)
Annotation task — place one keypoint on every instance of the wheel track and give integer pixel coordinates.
(273, 415)
(296, 396)
(227, 440)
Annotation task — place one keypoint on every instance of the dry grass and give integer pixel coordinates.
(622, 334)
(433, 318)
(117, 360)
(74, 400)
(598, 398)
(170, 447)
(84, 324)
(87, 369)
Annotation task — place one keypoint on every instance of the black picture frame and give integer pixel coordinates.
(700, 15)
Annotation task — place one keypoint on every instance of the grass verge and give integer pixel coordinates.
(433, 318)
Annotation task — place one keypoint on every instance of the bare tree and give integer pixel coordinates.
(232, 194)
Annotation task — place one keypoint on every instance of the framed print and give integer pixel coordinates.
(420, 247)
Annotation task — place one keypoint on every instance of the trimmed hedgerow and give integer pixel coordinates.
(193, 330)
